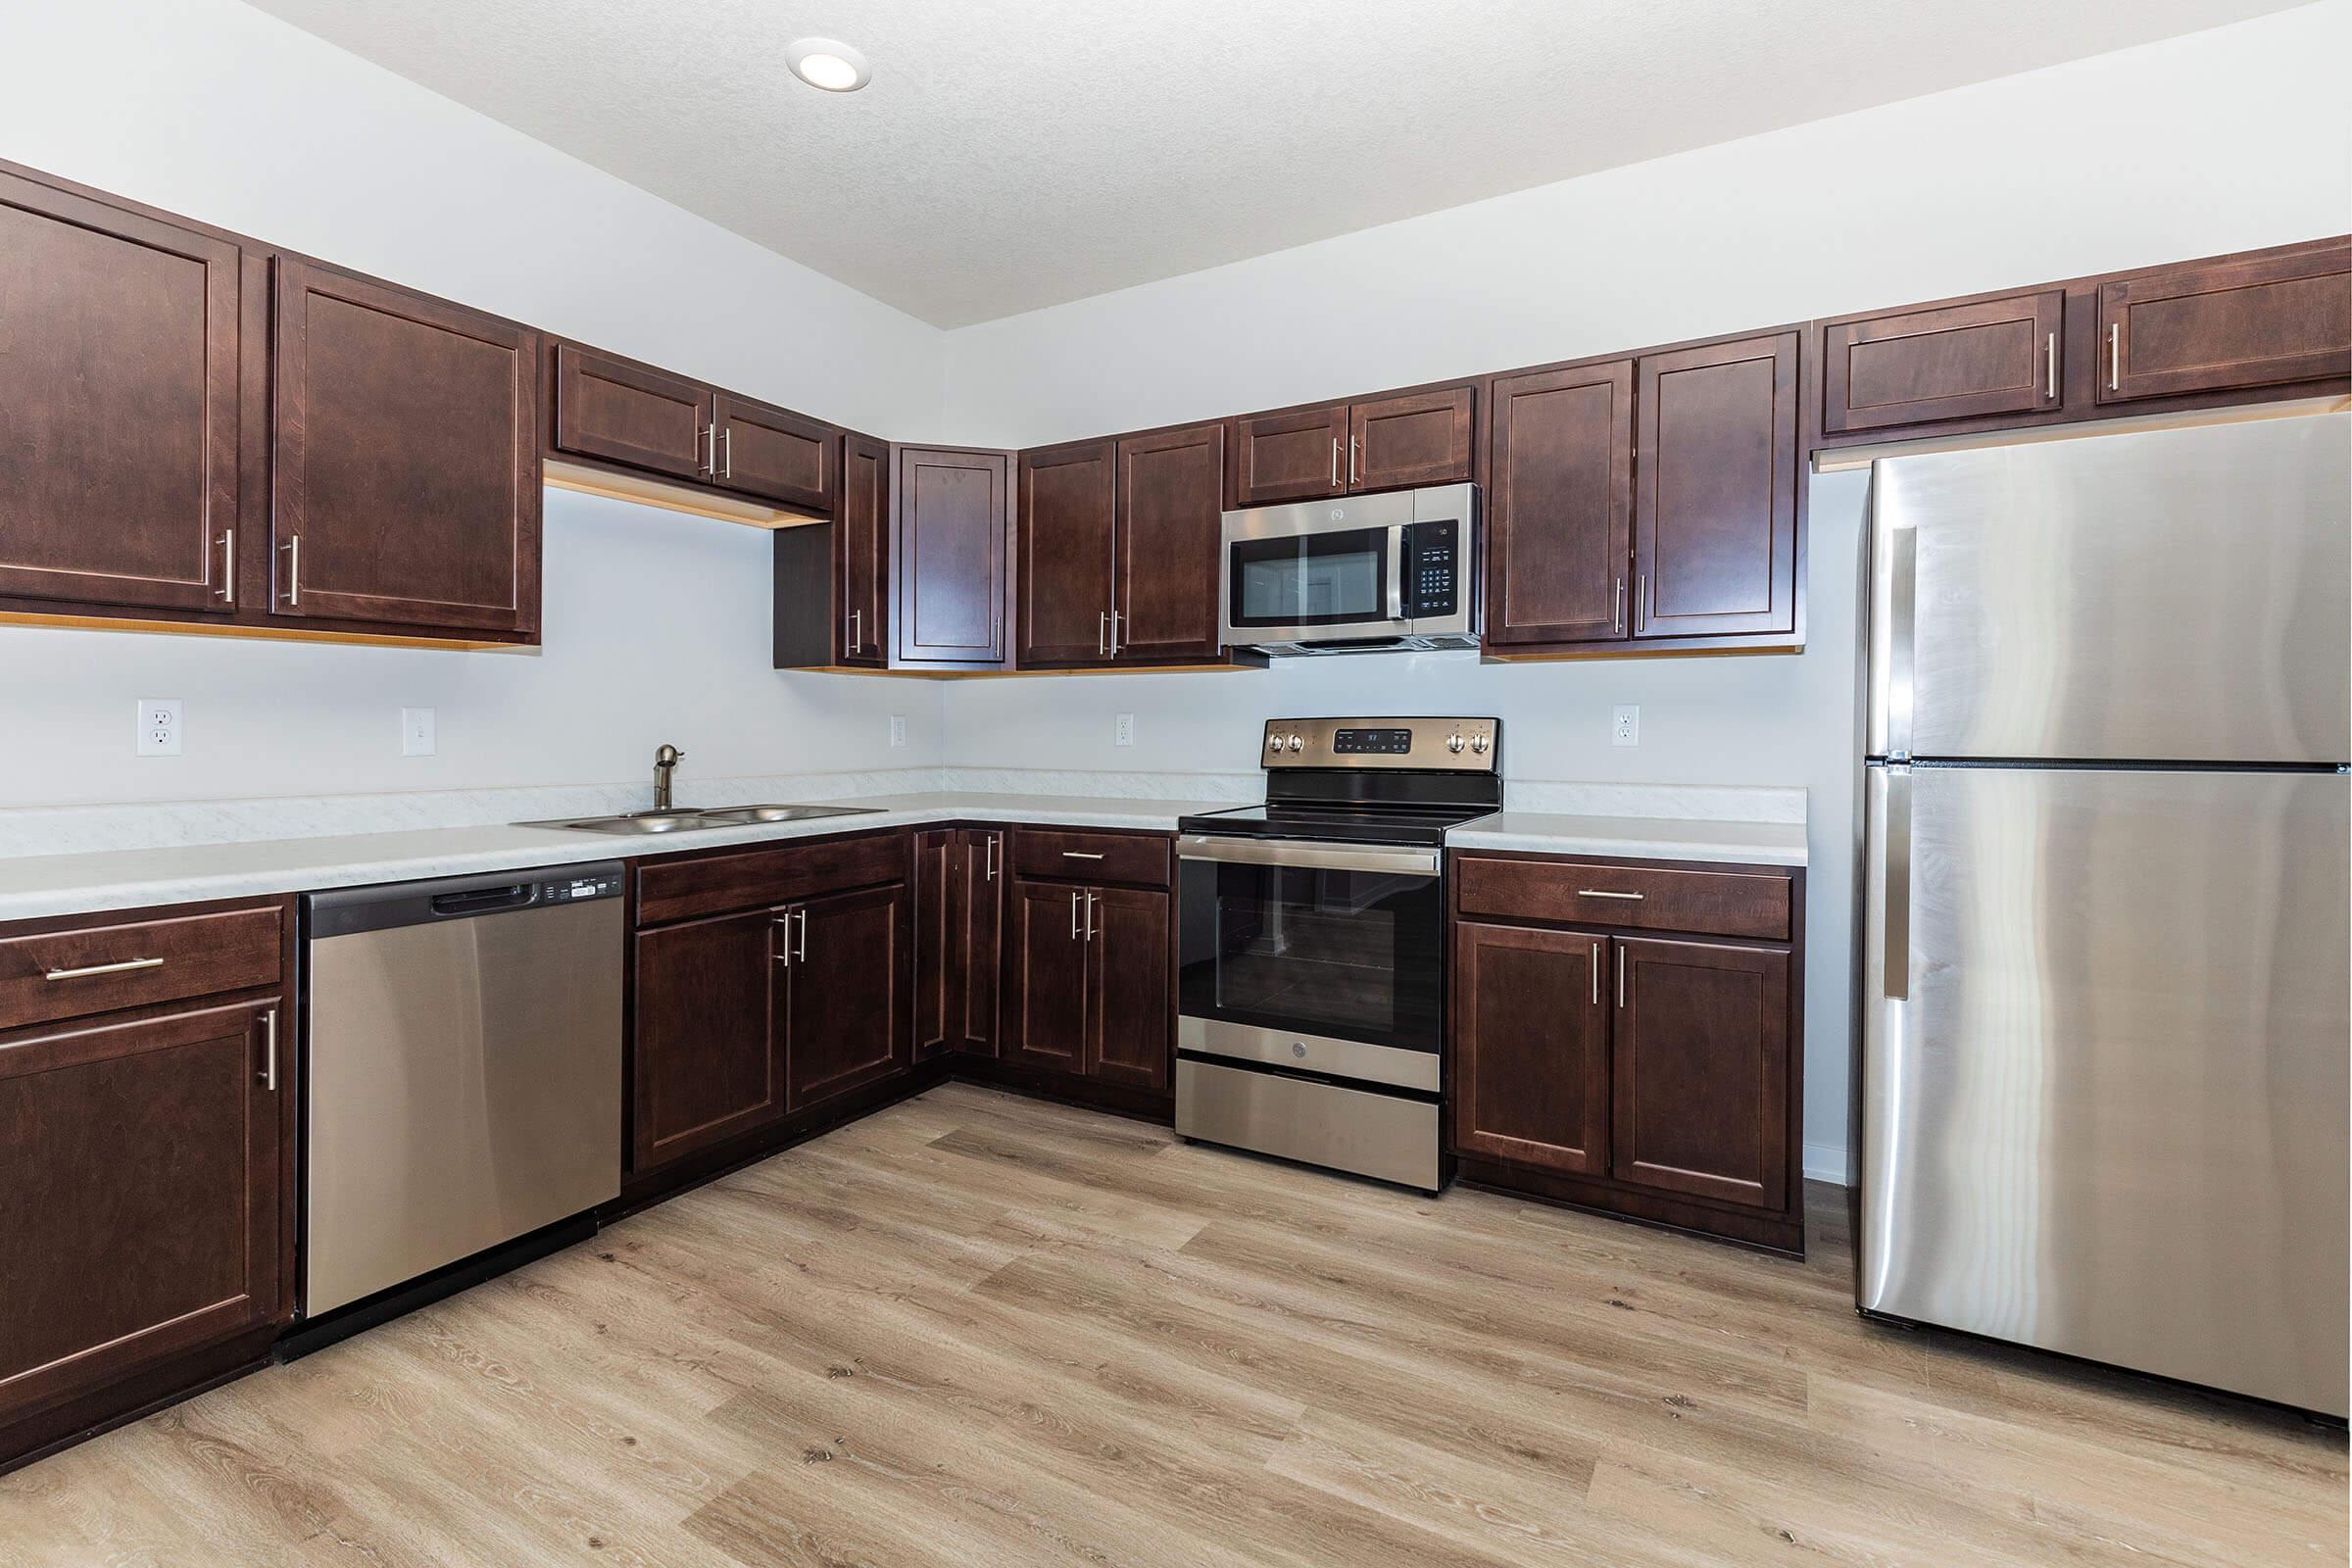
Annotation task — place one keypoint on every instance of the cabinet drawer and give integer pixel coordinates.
(1078, 856)
(104, 963)
(679, 889)
(1731, 904)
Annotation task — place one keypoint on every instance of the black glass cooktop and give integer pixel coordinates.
(1344, 822)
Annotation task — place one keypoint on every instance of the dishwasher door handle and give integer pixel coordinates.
(481, 899)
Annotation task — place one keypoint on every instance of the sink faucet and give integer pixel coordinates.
(666, 762)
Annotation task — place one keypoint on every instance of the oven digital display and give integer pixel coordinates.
(1362, 742)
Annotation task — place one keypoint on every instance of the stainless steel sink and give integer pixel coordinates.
(689, 818)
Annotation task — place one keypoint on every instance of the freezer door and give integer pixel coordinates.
(2104, 1020)
(2159, 596)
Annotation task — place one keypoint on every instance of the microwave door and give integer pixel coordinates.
(1296, 585)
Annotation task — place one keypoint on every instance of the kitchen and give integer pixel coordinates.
(639, 612)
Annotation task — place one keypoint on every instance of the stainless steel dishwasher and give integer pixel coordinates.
(464, 1084)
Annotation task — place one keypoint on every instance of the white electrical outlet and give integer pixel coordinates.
(161, 722)
(898, 729)
(415, 732)
(1122, 731)
(1625, 725)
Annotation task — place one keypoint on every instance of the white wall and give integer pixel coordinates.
(2215, 142)
(656, 625)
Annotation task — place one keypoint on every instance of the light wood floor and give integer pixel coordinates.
(978, 1330)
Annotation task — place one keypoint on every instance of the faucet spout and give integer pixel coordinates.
(666, 762)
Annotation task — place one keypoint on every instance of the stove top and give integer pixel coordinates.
(1369, 781)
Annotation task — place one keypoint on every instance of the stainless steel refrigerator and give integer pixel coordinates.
(2105, 953)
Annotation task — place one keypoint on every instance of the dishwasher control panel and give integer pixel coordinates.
(596, 885)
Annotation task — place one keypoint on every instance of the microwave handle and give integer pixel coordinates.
(1399, 538)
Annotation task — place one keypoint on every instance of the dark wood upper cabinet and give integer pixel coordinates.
(1130, 1006)
(861, 551)
(407, 465)
(1067, 561)
(1701, 1067)
(2265, 320)
(1288, 457)
(1531, 1047)
(120, 400)
(1559, 505)
(952, 508)
(707, 1064)
(1046, 1015)
(1956, 361)
(1415, 438)
(762, 450)
(842, 1007)
(141, 1213)
(1715, 535)
(623, 412)
(1170, 532)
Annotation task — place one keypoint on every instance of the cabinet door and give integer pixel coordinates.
(1288, 457)
(140, 1214)
(1715, 490)
(623, 412)
(982, 854)
(951, 514)
(862, 549)
(1560, 504)
(939, 956)
(1957, 362)
(844, 1021)
(1531, 1047)
(407, 476)
(706, 1064)
(1171, 528)
(1067, 562)
(1416, 439)
(2210, 326)
(1045, 976)
(1700, 1098)
(118, 404)
(775, 454)
(1131, 1004)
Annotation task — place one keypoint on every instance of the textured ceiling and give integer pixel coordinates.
(1017, 153)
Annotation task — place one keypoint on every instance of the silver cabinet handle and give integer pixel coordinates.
(1897, 963)
(1596, 973)
(784, 920)
(1640, 606)
(1354, 450)
(269, 1051)
(2114, 356)
(1082, 855)
(857, 631)
(988, 858)
(87, 970)
(728, 471)
(1617, 610)
(228, 564)
(800, 955)
(1102, 633)
(1335, 463)
(1089, 914)
(294, 570)
(1115, 619)
(709, 434)
(2049, 357)
(1621, 979)
(1603, 893)
(1073, 914)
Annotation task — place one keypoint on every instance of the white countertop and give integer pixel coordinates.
(40, 886)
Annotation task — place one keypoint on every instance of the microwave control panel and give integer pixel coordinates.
(1432, 569)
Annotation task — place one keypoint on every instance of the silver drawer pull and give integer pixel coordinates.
(1083, 854)
(1603, 893)
(125, 967)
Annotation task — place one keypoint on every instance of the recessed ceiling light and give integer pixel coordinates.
(828, 64)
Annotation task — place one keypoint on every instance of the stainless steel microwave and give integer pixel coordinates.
(1353, 575)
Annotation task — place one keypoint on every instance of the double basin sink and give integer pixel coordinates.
(685, 819)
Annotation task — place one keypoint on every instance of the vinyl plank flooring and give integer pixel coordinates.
(976, 1329)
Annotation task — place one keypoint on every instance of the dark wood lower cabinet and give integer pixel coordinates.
(841, 1010)
(140, 1215)
(1531, 1026)
(706, 1060)
(958, 949)
(1086, 983)
(1129, 977)
(1701, 1048)
(1044, 977)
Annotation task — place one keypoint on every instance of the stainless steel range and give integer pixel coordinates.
(1312, 981)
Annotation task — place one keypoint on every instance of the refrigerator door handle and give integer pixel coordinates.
(1897, 884)
(1902, 639)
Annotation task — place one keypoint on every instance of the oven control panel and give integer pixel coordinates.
(1440, 745)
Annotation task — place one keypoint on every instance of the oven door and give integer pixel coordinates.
(1321, 958)
(1284, 584)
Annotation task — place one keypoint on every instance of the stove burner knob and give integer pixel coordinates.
(1274, 744)
(1297, 745)
(1454, 742)
(1479, 744)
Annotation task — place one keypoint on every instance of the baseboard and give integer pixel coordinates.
(1827, 1162)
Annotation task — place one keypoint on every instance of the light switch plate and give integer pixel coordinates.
(415, 732)
(161, 723)
(1625, 725)
(1122, 731)
(898, 729)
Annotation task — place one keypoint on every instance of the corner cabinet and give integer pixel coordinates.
(406, 470)
(960, 882)
(832, 582)
(1626, 1037)
(952, 510)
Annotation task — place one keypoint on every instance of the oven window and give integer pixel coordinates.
(1317, 579)
(1353, 954)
